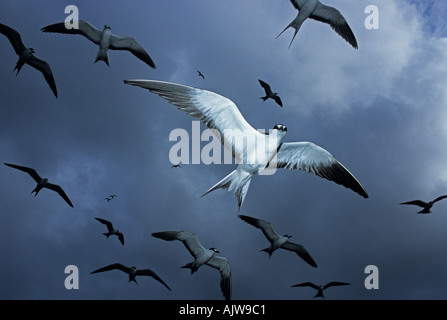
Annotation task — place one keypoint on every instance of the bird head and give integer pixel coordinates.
(280, 127)
(32, 50)
(215, 250)
(287, 236)
(106, 27)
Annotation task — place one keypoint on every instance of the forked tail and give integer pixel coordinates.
(191, 266)
(237, 182)
(103, 55)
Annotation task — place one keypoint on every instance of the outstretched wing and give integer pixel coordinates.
(334, 18)
(306, 284)
(59, 190)
(216, 111)
(150, 273)
(266, 87)
(121, 237)
(440, 198)
(85, 29)
(43, 67)
(309, 157)
(298, 4)
(266, 227)
(13, 37)
(278, 100)
(30, 171)
(300, 251)
(131, 45)
(223, 266)
(335, 283)
(113, 266)
(189, 239)
(108, 224)
(419, 203)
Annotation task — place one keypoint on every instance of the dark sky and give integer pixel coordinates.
(380, 110)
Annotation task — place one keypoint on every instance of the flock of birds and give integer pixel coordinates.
(219, 113)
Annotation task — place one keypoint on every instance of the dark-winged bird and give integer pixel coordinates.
(26, 55)
(277, 241)
(132, 271)
(105, 39)
(111, 230)
(262, 151)
(201, 256)
(320, 289)
(314, 9)
(175, 166)
(425, 205)
(200, 74)
(269, 93)
(41, 183)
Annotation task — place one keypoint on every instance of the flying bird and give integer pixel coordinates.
(201, 256)
(425, 205)
(200, 74)
(262, 151)
(269, 93)
(105, 39)
(111, 230)
(26, 55)
(132, 271)
(175, 166)
(277, 241)
(320, 288)
(41, 183)
(314, 9)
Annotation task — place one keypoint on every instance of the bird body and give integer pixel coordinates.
(278, 241)
(105, 40)
(132, 272)
(261, 150)
(26, 56)
(104, 45)
(314, 9)
(202, 256)
(41, 182)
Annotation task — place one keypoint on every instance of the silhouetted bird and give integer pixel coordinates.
(269, 93)
(277, 241)
(200, 74)
(41, 183)
(314, 9)
(320, 289)
(26, 55)
(132, 271)
(105, 39)
(111, 230)
(175, 166)
(201, 256)
(426, 205)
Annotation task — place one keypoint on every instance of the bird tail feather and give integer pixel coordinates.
(237, 182)
(191, 266)
(268, 250)
(102, 55)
